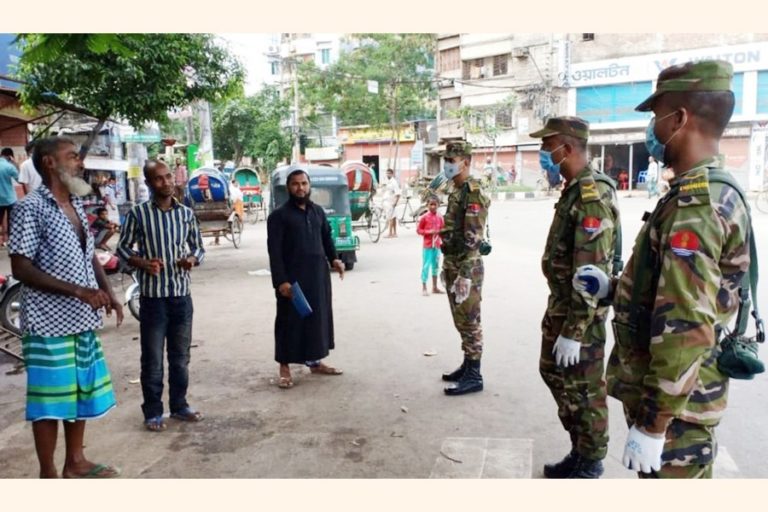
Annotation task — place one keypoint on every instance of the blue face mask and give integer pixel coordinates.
(451, 169)
(549, 165)
(652, 143)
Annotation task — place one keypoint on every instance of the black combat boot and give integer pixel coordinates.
(456, 374)
(563, 468)
(586, 468)
(470, 382)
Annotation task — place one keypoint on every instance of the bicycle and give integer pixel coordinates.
(413, 214)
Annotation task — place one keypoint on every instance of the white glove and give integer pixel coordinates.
(460, 288)
(591, 282)
(642, 451)
(566, 351)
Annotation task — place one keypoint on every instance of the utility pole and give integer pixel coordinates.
(296, 141)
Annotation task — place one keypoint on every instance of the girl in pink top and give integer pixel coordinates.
(429, 227)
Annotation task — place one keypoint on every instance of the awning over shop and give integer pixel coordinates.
(105, 164)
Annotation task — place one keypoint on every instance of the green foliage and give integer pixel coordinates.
(400, 63)
(251, 126)
(482, 120)
(137, 77)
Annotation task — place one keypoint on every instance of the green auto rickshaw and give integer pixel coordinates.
(329, 190)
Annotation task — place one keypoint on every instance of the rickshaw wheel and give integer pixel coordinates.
(373, 217)
(236, 229)
(252, 213)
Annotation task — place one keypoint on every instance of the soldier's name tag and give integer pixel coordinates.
(684, 243)
(473, 208)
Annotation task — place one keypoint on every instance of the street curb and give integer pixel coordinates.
(523, 196)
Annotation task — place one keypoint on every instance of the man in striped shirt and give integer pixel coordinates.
(161, 238)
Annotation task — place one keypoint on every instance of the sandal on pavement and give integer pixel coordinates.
(187, 414)
(155, 424)
(99, 471)
(326, 370)
(285, 383)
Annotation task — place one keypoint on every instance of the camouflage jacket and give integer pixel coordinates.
(461, 246)
(671, 302)
(583, 232)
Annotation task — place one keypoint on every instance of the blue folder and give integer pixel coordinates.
(300, 301)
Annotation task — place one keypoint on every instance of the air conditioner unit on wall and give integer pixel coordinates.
(521, 52)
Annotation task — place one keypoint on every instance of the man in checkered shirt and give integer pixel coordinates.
(65, 289)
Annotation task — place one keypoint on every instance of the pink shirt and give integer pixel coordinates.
(181, 175)
(430, 223)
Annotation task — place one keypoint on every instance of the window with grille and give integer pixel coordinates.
(504, 119)
(449, 105)
(500, 64)
(450, 60)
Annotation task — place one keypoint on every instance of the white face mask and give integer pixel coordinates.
(451, 169)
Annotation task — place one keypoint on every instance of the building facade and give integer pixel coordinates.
(600, 77)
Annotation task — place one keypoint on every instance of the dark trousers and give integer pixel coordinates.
(168, 318)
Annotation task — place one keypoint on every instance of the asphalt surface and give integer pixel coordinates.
(387, 415)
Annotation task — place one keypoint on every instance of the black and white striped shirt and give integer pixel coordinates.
(150, 232)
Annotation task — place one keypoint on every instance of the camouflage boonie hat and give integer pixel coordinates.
(703, 76)
(455, 148)
(567, 125)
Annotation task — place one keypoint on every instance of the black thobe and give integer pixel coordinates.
(300, 250)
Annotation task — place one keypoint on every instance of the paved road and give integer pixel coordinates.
(387, 415)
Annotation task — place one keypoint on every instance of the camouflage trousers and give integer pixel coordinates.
(689, 451)
(579, 391)
(466, 316)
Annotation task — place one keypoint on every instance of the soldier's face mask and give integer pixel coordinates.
(549, 165)
(451, 169)
(655, 147)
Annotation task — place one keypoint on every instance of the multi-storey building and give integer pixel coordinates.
(284, 53)
(600, 77)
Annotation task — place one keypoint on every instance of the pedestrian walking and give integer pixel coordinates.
(429, 228)
(462, 237)
(652, 178)
(168, 245)
(584, 231)
(681, 285)
(301, 251)
(65, 289)
(8, 173)
(181, 180)
(392, 195)
(29, 178)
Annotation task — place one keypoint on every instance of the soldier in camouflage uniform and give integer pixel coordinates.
(462, 237)
(584, 231)
(681, 284)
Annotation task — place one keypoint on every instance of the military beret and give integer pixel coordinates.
(571, 126)
(702, 76)
(455, 148)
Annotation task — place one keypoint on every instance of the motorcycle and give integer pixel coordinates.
(10, 291)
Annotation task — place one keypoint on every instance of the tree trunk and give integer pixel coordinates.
(91, 136)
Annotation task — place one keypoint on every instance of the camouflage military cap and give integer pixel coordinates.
(571, 126)
(702, 76)
(455, 148)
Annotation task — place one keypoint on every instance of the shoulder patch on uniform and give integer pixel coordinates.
(588, 189)
(694, 184)
(591, 224)
(474, 208)
(684, 243)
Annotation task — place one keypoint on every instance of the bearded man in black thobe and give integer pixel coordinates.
(300, 251)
